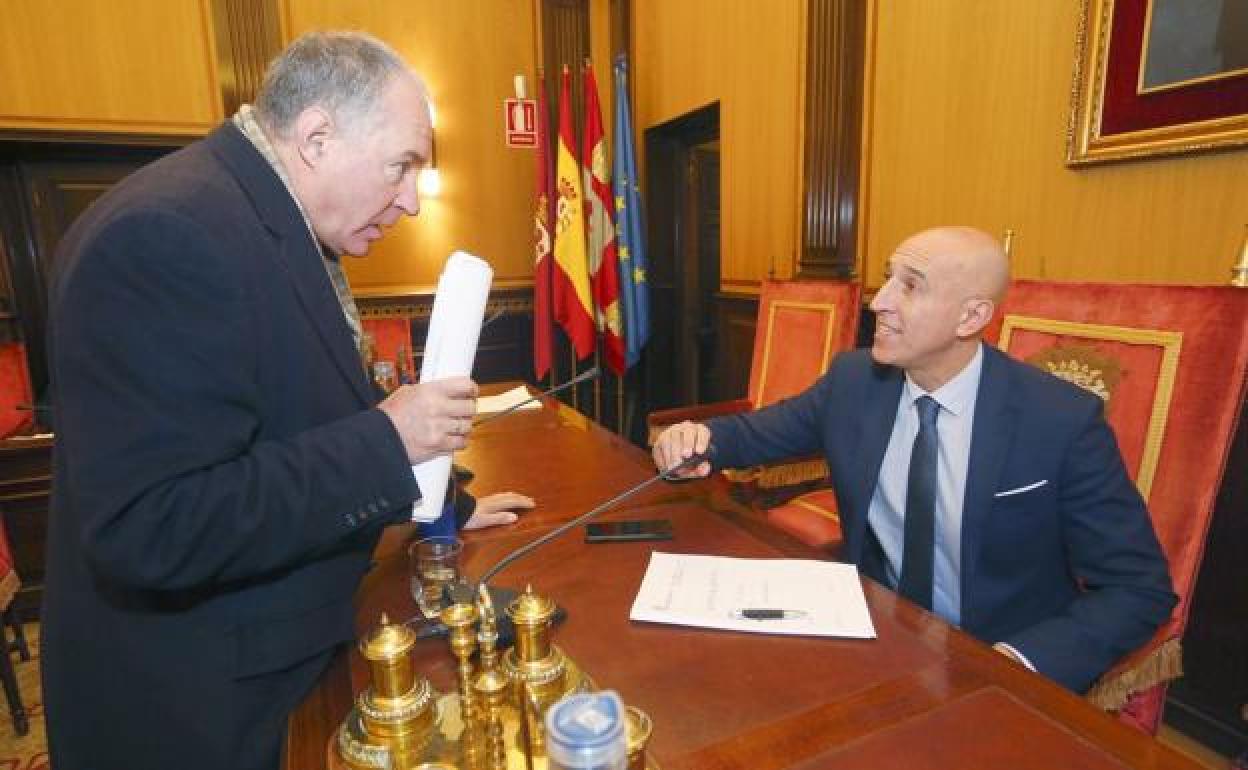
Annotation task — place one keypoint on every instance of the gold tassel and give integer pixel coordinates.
(1163, 664)
(742, 475)
(8, 588)
(789, 474)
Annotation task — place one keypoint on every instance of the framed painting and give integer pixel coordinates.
(1158, 77)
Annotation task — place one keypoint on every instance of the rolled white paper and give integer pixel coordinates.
(450, 348)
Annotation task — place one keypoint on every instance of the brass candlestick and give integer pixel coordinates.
(461, 619)
(491, 688)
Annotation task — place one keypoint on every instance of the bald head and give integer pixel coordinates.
(971, 260)
(942, 292)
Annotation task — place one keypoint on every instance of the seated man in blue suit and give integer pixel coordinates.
(979, 487)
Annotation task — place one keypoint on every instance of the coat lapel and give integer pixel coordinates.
(296, 252)
(991, 439)
(878, 415)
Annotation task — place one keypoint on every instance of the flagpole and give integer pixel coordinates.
(619, 404)
(576, 401)
(597, 390)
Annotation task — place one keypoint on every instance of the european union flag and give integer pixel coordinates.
(629, 233)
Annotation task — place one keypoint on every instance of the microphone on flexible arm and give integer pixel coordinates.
(588, 374)
(502, 596)
(497, 314)
(668, 475)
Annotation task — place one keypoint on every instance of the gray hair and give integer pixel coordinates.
(343, 72)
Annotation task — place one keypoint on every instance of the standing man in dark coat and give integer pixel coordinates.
(222, 468)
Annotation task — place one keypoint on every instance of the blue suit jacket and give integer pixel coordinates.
(220, 477)
(1070, 573)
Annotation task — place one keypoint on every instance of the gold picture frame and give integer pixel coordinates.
(1203, 114)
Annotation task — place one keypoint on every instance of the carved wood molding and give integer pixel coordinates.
(248, 35)
(420, 306)
(564, 40)
(835, 39)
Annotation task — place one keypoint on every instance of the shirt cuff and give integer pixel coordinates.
(1014, 651)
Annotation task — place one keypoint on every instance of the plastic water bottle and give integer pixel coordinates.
(587, 732)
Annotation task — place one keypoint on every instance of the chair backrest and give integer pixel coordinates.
(1170, 362)
(389, 337)
(801, 326)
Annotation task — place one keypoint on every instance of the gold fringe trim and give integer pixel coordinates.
(742, 475)
(8, 588)
(773, 476)
(1163, 664)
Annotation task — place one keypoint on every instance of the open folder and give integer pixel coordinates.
(769, 596)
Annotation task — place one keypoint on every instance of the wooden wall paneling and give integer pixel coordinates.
(746, 56)
(94, 65)
(736, 320)
(248, 35)
(969, 108)
(505, 350)
(566, 42)
(469, 53)
(831, 106)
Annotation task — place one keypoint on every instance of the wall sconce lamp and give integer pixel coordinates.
(429, 182)
(1239, 273)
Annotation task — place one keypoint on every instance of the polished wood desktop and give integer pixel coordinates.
(921, 695)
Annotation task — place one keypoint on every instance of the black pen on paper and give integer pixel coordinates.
(768, 613)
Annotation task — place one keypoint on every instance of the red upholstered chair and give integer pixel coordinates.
(801, 326)
(1170, 362)
(392, 338)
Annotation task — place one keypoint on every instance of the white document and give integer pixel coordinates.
(504, 401)
(450, 349)
(813, 598)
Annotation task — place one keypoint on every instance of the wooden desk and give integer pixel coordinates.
(922, 695)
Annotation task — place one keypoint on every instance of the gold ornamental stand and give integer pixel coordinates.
(496, 719)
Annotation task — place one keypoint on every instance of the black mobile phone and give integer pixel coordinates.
(616, 531)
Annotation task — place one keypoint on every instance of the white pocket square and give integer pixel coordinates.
(1020, 490)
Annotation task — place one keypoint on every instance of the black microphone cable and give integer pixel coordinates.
(667, 475)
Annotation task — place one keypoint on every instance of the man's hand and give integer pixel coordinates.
(680, 442)
(499, 509)
(432, 418)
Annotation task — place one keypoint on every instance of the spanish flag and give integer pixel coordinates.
(573, 302)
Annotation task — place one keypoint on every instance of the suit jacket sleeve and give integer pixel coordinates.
(1113, 553)
(788, 428)
(156, 350)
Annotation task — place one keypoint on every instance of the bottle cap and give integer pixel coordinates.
(587, 731)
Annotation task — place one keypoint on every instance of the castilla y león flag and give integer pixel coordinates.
(599, 217)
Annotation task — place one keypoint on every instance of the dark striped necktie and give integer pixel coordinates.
(920, 529)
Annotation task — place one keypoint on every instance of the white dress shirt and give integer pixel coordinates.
(888, 503)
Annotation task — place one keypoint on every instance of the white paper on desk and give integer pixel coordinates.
(504, 401)
(705, 591)
(450, 348)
